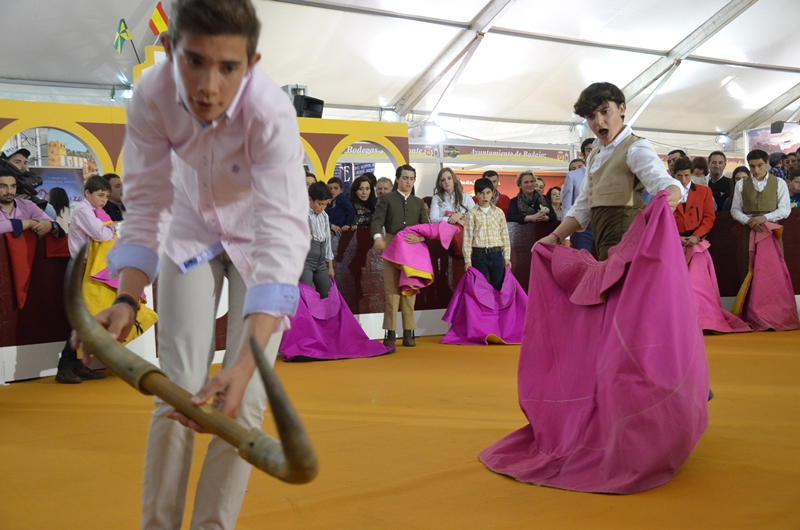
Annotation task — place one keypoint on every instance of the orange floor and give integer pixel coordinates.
(398, 439)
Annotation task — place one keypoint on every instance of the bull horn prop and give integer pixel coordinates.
(291, 459)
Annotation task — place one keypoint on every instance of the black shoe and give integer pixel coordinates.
(86, 374)
(390, 338)
(710, 394)
(408, 338)
(67, 377)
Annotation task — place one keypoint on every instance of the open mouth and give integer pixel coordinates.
(602, 132)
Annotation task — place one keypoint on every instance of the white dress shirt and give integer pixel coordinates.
(784, 207)
(234, 185)
(440, 206)
(642, 161)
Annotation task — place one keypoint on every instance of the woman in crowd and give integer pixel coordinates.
(449, 202)
(362, 195)
(700, 171)
(739, 173)
(529, 206)
(554, 200)
(60, 202)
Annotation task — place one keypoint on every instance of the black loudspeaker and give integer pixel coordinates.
(776, 127)
(308, 107)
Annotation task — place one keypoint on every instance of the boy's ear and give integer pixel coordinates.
(167, 44)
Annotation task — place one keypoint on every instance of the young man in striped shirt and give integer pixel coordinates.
(486, 243)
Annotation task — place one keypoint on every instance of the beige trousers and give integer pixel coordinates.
(187, 305)
(395, 300)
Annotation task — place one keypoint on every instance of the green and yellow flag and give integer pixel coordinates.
(123, 34)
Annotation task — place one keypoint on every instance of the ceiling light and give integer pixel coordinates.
(434, 133)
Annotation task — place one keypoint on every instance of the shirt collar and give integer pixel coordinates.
(624, 133)
(405, 195)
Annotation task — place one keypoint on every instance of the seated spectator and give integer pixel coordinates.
(766, 298)
(576, 163)
(739, 173)
(59, 200)
(700, 171)
(310, 178)
(340, 211)
(529, 206)
(776, 162)
(449, 202)
(18, 215)
(499, 200)
(318, 268)
(554, 200)
(794, 188)
(383, 186)
(362, 195)
(114, 207)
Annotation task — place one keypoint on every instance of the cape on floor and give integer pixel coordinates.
(613, 376)
(325, 330)
(479, 314)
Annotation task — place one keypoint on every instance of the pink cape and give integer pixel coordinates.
(479, 314)
(325, 329)
(706, 293)
(766, 298)
(414, 260)
(613, 376)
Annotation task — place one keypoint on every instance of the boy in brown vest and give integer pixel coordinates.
(757, 200)
(618, 170)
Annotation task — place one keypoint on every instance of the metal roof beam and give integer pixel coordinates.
(708, 29)
(767, 111)
(457, 48)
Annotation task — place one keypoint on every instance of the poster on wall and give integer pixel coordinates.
(349, 171)
(70, 179)
(786, 141)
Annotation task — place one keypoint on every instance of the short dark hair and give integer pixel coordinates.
(490, 173)
(717, 153)
(6, 171)
(212, 17)
(404, 167)
(677, 151)
(700, 163)
(96, 183)
(740, 169)
(109, 176)
(794, 174)
(758, 154)
(483, 184)
(588, 141)
(576, 160)
(682, 164)
(319, 191)
(371, 177)
(595, 95)
(336, 180)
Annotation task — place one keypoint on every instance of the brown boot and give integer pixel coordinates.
(67, 377)
(86, 374)
(390, 338)
(408, 338)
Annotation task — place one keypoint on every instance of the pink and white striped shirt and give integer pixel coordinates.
(86, 226)
(236, 184)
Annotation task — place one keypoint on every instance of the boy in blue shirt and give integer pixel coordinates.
(340, 210)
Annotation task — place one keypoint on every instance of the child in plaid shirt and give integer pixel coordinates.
(486, 243)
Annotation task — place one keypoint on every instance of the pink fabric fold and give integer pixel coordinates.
(479, 314)
(615, 392)
(414, 260)
(767, 297)
(712, 316)
(325, 329)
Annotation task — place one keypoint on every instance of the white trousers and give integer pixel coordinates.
(187, 305)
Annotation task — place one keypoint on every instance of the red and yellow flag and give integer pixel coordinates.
(159, 22)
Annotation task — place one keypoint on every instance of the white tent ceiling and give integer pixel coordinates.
(519, 84)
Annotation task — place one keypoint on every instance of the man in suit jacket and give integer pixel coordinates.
(395, 211)
(695, 213)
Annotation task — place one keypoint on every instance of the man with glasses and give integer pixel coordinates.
(394, 212)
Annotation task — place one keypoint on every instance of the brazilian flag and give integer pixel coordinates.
(123, 34)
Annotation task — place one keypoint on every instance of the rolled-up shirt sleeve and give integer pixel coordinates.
(280, 209)
(148, 189)
(648, 168)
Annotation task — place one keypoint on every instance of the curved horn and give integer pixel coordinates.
(290, 459)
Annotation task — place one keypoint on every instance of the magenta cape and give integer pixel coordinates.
(325, 329)
(613, 376)
(479, 314)
(414, 260)
(766, 298)
(706, 293)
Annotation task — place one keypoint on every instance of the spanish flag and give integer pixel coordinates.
(123, 34)
(159, 22)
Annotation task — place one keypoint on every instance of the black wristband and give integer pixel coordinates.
(128, 299)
